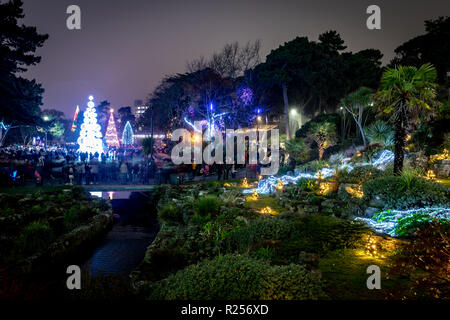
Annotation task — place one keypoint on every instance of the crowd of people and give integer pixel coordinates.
(56, 165)
(20, 165)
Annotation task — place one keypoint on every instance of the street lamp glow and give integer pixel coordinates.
(293, 112)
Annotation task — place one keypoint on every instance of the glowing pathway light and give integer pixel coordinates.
(386, 221)
(90, 139)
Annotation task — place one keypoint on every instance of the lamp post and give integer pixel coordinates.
(46, 118)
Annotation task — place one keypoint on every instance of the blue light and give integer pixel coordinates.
(211, 107)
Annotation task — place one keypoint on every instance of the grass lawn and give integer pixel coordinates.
(344, 273)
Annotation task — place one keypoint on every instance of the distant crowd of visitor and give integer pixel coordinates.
(25, 165)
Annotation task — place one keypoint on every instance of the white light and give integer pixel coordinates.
(98, 194)
(91, 98)
(293, 112)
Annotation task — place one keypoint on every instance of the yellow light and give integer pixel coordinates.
(430, 175)
(355, 192)
(279, 185)
(244, 183)
(442, 156)
(324, 188)
(260, 177)
(254, 196)
(268, 210)
(319, 176)
(226, 184)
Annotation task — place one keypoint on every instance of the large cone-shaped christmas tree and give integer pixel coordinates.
(90, 139)
(111, 132)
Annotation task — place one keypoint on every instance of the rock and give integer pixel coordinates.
(370, 211)
(376, 202)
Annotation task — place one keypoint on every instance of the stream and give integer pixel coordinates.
(135, 228)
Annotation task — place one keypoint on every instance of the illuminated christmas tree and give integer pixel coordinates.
(90, 139)
(127, 135)
(111, 133)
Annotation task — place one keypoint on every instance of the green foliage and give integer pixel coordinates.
(71, 218)
(413, 222)
(170, 213)
(426, 258)
(242, 239)
(409, 178)
(36, 237)
(292, 282)
(358, 175)
(333, 117)
(238, 277)
(403, 192)
(207, 206)
(324, 134)
(306, 184)
(381, 133)
(316, 233)
(298, 149)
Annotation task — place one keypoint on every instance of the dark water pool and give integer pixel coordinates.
(123, 248)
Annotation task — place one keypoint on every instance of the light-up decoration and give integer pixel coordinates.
(324, 188)
(75, 116)
(245, 184)
(388, 224)
(97, 194)
(111, 133)
(90, 139)
(127, 135)
(209, 122)
(268, 210)
(442, 156)
(267, 185)
(430, 175)
(279, 185)
(226, 184)
(372, 248)
(355, 192)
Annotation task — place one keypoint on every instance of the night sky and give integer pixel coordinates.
(125, 47)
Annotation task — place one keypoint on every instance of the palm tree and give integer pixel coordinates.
(324, 134)
(355, 103)
(406, 93)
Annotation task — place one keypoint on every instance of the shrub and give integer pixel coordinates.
(380, 132)
(207, 206)
(170, 213)
(306, 184)
(399, 192)
(236, 277)
(413, 222)
(358, 174)
(71, 218)
(242, 239)
(428, 252)
(291, 282)
(35, 237)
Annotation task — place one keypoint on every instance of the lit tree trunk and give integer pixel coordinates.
(321, 150)
(400, 141)
(286, 111)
